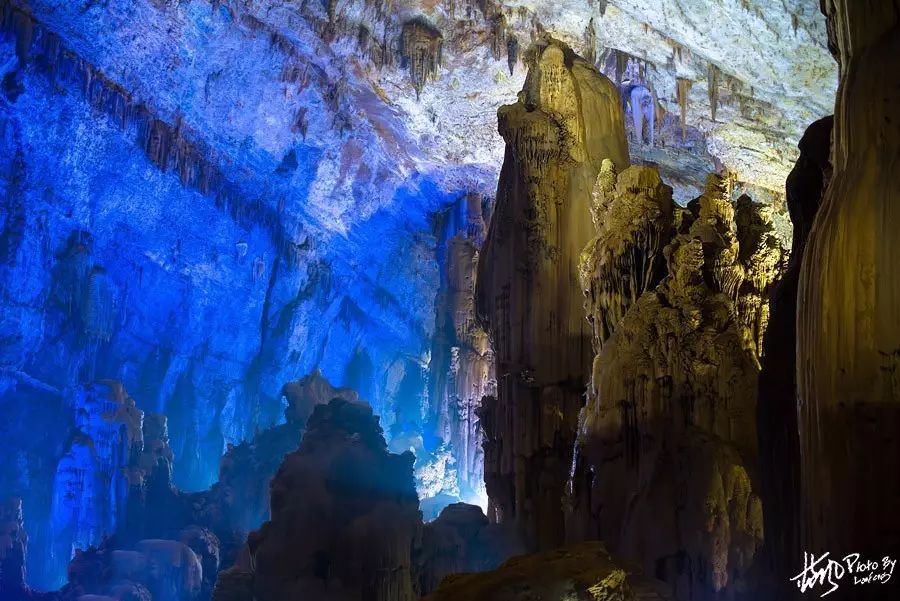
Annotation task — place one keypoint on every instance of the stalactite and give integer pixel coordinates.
(683, 92)
(98, 306)
(498, 35)
(420, 51)
(512, 52)
(590, 43)
(168, 146)
(713, 90)
(622, 59)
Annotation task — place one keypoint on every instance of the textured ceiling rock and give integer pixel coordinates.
(333, 74)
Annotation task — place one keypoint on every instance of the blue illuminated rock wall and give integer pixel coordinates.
(112, 267)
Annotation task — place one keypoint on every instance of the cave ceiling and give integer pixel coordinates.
(260, 79)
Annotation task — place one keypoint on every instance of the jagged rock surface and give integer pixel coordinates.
(669, 431)
(848, 326)
(567, 121)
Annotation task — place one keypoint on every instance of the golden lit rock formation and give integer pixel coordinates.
(848, 325)
(669, 430)
(568, 119)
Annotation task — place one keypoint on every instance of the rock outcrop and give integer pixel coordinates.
(668, 436)
(344, 516)
(848, 326)
(462, 540)
(584, 572)
(567, 121)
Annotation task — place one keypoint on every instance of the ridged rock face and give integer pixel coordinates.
(848, 325)
(344, 515)
(567, 121)
(580, 572)
(779, 444)
(669, 431)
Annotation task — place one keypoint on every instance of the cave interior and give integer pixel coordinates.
(449, 300)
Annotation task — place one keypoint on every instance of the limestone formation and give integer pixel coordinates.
(420, 50)
(634, 214)
(584, 572)
(848, 325)
(668, 444)
(567, 121)
(13, 550)
(153, 570)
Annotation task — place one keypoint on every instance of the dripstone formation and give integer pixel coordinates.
(669, 429)
(848, 325)
(567, 121)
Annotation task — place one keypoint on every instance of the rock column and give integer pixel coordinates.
(567, 120)
(848, 323)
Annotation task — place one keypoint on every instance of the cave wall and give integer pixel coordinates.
(568, 119)
(848, 333)
(203, 296)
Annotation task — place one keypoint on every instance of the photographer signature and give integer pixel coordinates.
(822, 570)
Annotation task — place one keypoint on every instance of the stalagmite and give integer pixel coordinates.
(848, 324)
(667, 443)
(567, 121)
